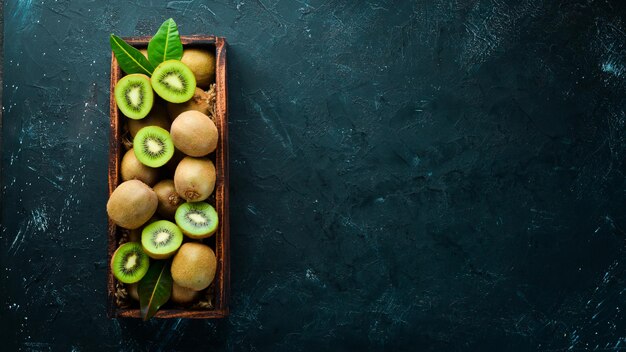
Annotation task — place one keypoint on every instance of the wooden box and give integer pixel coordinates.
(220, 241)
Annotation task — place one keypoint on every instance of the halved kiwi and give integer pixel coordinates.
(197, 220)
(133, 95)
(161, 239)
(153, 146)
(173, 81)
(129, 263)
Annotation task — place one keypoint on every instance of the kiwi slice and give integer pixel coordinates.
(161, 239)
(133, 95)
(129, 263)
(153, 146)
(197, 220)
(173, 81)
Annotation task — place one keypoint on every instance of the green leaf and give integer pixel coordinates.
(129, 58)
(165, 45)
(155, 288)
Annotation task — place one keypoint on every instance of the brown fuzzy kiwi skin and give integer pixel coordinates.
(131, 204)
(202, 64)
(169, 200)
(132, 169)
(182, 295)
(194, 178)
(194, 133)
(199, 102)
(194, 266)
(157, 117)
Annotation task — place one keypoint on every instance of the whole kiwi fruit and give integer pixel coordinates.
(131, 204)
(183, 295)
(194, 266)
(169, 200)
(199, 102)
(202, 64)
(194, 178)
(133, 169)
(157, 117)
(194, 133)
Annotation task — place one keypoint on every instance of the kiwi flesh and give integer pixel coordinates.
(161, 239)
(129, 263)
(134, 96)
(133, 169)
(153, 146)
(173, 81)
(194, 133)
(202, 64)
(169, 200)
(199, 102)
(157, 117)
(197, 220)
(194, 178)
(131, 204)
(194, 266)
(182, 295)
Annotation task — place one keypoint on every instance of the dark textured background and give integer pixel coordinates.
(432, 175)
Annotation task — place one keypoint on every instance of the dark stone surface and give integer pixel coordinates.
(432, 175)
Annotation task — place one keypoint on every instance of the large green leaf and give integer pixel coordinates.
(130, 59)
(165, 45)
(155, 288)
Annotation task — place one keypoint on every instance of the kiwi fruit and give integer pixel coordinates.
(132, 291)
(131, 204)
(202, 64)
(161, 239)
(194, 178)
(194, 133)
(169, 200)
(153, 146)
(134, 96)
(173, 81)
(197, 220)
(182, 295)
(157, 117)
(129, 263)
(194, 266)
(133, 169)
(199, 102)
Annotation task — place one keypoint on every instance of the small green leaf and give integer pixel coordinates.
(155, 288)
(165, 45)
(129, 58)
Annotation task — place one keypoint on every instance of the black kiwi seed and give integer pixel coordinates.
(182, 79)
(153, 138)
(160, 230)
(129, 103)
(193, 220)
(129, 263)
(153, 146)
(161, 239)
